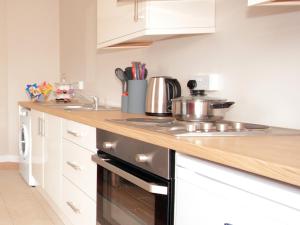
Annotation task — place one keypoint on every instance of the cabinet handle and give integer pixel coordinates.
(143, 158)
(108, 145)
(39, 126)
(73, 207)
(74, 165)
(43, 129)
(75, 134)
(136, 11)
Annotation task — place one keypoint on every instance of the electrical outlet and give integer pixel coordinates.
(210, 82)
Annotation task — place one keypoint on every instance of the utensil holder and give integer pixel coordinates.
(137, 96)
(124, 103)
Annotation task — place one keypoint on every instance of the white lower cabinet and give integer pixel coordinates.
(37, 146)
(210, 194)
(79, 168)
(77, 206)
(79, 173)
(47, 154)
(62, 165)
(53, 158)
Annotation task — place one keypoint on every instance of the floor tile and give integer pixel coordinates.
(5, 218)
(21, 204)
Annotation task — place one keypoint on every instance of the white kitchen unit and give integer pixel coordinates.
(273, 2)
(53, 157)
(80, 134)
(38, 143)
(211, 194)
(126, 22)
(63, 167)
(79, 173)
(47, 154)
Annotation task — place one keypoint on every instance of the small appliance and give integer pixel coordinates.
(25, 146)
(161, 90)
(135, 181)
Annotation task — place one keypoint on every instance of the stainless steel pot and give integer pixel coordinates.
(198, 108)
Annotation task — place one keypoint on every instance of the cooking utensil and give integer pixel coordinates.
(128, 73)
(128, 76)
(160, 91)
(145, 74)
(198, 108)
(121, 76)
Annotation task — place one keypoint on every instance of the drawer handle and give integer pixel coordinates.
(74, 165)
(73, 207)
(75, 134)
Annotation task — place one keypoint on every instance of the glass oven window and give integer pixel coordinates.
(120, 202)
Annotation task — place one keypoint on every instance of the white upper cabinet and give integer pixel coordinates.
(273, 2)
(142, 21)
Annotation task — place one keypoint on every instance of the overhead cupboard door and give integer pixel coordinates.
(273, 2)
(117, 18)
(145, 21)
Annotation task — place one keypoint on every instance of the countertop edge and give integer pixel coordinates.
(280, 172)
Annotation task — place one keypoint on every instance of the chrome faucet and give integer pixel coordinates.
(95, 100)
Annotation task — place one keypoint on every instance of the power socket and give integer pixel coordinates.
(210, 82)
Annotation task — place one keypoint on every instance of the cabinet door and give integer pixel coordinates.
(197, 205)
(273, 2)
(117, 18)
(204, 201)
(37, 119)
(53, 157)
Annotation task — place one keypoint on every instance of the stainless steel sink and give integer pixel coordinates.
(89, 108)
(68, 106)
(79, 107)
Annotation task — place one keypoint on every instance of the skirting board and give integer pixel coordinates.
(9, 158)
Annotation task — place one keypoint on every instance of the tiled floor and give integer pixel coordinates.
(21, 204)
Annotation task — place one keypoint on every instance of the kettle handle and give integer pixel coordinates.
(174, 91)
(177, 88)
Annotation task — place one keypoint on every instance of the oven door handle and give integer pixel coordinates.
(149, 187)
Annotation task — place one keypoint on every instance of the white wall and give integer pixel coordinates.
(33, 52)
(79, 59)
(3, 80)
(255, 49)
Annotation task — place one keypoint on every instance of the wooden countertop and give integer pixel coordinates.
(276, 157)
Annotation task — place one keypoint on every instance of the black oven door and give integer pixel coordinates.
(129, 196)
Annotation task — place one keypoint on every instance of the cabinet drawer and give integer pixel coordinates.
(79, 208)
(79, 168)
(80, 134)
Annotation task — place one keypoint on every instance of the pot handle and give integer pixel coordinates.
(223, 105)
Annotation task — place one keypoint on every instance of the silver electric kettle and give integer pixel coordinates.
(160, 91)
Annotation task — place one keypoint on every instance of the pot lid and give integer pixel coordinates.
(199, 98)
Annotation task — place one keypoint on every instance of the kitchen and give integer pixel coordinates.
(255, 49)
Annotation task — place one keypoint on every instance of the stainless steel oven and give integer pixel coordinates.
(135, 184)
